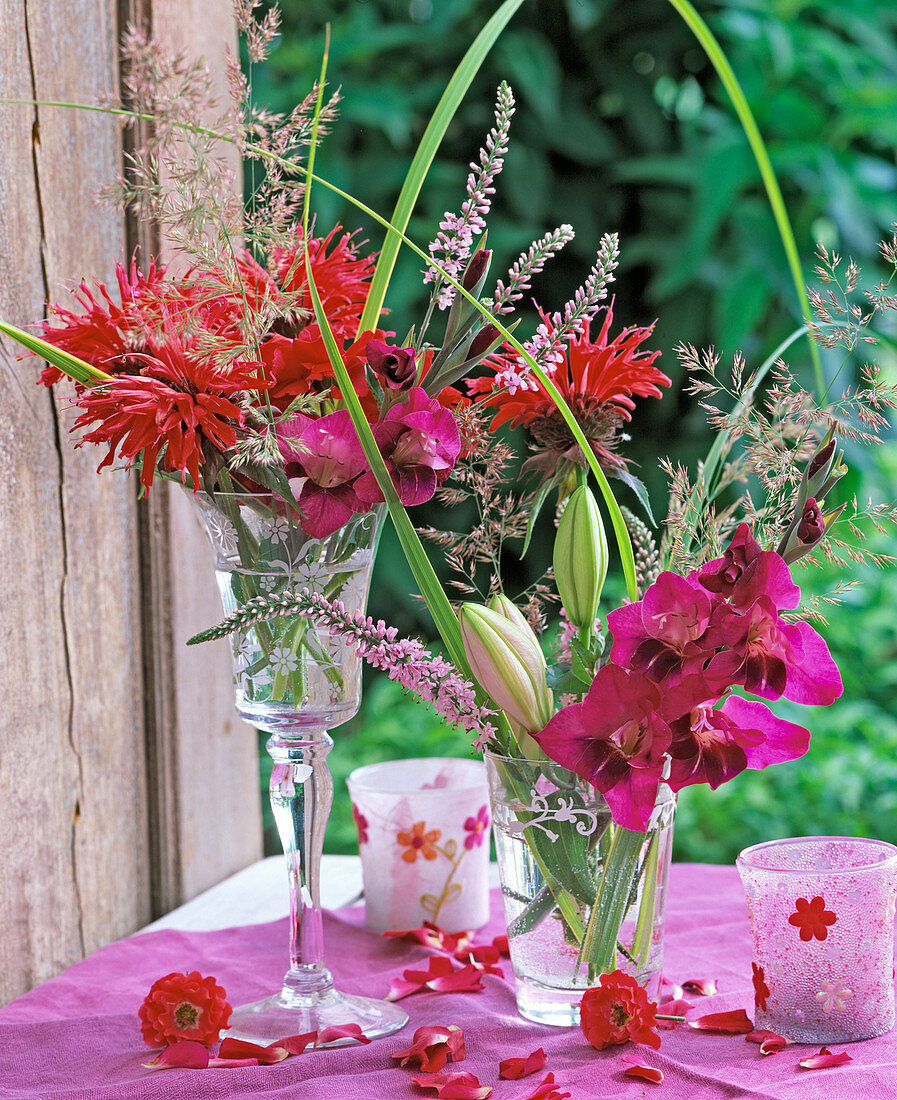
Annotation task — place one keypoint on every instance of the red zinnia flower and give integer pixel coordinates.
(761, 989)
(597, 378)
(618, 1011)
(181, 1007)
(812, 918)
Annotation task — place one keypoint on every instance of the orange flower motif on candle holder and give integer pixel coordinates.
(418, 841)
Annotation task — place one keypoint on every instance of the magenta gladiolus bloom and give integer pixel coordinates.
(745, 572)
(419, 441)
(616, 739)
(662, 635)
(326, 452)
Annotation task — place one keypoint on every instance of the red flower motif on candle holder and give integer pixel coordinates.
(476, 827)
(761, 989)
(418, 841)
(361, 824)
(812, 918)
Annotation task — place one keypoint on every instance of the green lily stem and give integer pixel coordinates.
(620, 871)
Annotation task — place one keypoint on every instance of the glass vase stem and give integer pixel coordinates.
(301, 796)
(618, 876)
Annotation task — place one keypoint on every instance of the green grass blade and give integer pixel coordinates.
(730, 82)
(426, 151)
(75, 368)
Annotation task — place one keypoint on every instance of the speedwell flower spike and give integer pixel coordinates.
(580, 558)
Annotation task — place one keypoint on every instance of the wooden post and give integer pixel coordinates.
(124, 776)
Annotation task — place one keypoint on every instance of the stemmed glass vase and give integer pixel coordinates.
(296, 682)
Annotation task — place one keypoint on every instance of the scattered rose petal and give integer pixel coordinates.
(454, 1086)
(341, 1031)
(824, 1059)
(770, 1040)
(773, 1046)
(672, 1008)
(484, 956)
(548, 1090)
(440, 976)
(432, 1047)
(512, 1069)
(704, 987)
(676, 992)
(233, 1049)
(186, 1055)
(644, 1073)
(296, 1044)
(500, 943)
(734, 1022)
(233, 1063)
(431, 935)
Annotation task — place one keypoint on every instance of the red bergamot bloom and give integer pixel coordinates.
(181, 1007)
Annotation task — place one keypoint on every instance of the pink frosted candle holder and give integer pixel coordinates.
(822, 923)
(423, 835)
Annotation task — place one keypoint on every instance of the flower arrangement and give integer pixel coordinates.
(263, 370)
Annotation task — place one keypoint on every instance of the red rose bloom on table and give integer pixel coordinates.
(617, 1011)
(182, 1007)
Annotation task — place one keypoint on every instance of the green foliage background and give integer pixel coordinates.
(622, 125)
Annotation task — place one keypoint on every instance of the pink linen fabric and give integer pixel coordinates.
(77, 1037)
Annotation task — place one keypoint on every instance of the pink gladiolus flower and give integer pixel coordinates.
(663, 634)
(745, 572)
(396, 366)
(419, 441)
(327, 453)
(616, 739)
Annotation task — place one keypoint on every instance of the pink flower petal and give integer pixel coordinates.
(431, 935)
(672, 1008)
(186, 1055)
(341, 1031)
(676, 992)
(232, 1049)
(734, 1022)
(548, 1090)
(512, 1069)
(454, 1086)
(235, 1063)
(500, 943)
(295, 1044)
(644, 1073)
(824, 1059)
(704, 987)
(432, 1047)
(770, 1041)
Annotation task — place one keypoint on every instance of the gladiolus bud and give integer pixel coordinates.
(396, 366)
(475, 273)
(580, 558)
(507, 663)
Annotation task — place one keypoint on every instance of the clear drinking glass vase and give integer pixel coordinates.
(296, 682)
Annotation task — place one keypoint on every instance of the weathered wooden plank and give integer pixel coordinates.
(74, 827)
(206, 767)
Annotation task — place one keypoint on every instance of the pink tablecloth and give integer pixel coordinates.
(77, 1036)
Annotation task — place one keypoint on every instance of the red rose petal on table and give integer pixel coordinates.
(432, 1047)
(484, 956)
(548, 1090)
(232, 1049)
(512, 1069)
(824, 1059)
(500, 943)
(341, 1031)
(704, 987)
(233, 1063)
(440, 976)
(454, 1086)
(186, 1055)
(672, 1008)
(770, 1041)
(431, 935)
(676, 992)
(643, 1072)
(734, 1022)
(296, 1044)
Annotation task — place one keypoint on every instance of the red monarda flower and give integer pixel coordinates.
(167, 411)
(597, 378)
(616, 1011)
(181, 1007)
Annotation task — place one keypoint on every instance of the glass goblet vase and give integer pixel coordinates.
(296, 682)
